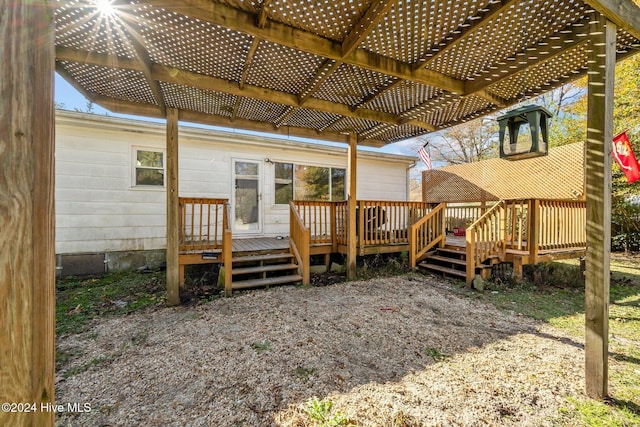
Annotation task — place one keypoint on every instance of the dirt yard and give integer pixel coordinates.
(405, 351)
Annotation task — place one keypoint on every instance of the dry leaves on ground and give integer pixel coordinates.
(405, 351)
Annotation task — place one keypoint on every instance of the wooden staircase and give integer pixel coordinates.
(451, 261)
(260, 270)
(447, 261)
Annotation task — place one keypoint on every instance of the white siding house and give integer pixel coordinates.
(105, 205)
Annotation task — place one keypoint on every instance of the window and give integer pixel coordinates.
(301, 182)
(149, 168)
(284, 183)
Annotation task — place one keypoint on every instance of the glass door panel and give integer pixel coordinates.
(246, 208)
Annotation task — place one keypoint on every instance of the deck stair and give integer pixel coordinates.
(260, 270)
(451, 261)
(445, 261)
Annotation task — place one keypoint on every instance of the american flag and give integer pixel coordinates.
(424, 155)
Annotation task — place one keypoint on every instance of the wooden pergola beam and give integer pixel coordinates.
(187, 78)
(322, 74)
(624, 13)
(555, 45)
(465, 30)
(284, 35)
(142, 55)
(200, 81)
(248, 60)
(27, 216)
(366, 24)
(261, 19)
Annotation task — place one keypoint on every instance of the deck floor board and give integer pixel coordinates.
(260, 244)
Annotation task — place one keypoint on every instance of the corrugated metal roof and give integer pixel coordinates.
(559, 175)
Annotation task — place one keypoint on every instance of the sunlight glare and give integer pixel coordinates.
(105, 7)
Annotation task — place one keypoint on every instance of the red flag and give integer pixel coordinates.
(623, 153)
(424, 155)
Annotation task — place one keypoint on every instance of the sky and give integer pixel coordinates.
(68, 98)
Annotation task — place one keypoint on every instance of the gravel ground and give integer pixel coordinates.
(404, 351)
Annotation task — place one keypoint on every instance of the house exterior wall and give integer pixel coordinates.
(100, 210)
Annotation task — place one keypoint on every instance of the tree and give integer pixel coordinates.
(465, 143)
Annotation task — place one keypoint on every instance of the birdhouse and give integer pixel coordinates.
(524, 132)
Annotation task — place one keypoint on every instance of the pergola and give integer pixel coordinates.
(367, 72)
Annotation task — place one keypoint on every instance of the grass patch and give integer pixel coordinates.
(81, 300)
(555, 294)
(261, 346)
(320, 414)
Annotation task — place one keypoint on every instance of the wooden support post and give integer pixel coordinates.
(27, 217)
(173, 209)
(352, 246)
(598, 176)
(533, 231)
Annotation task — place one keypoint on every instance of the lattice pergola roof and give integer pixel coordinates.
(384, 69)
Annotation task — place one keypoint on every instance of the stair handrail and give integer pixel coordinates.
(485, 237)
(427, 232)
(300, 243)
(227, 250)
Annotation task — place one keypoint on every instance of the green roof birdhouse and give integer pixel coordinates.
(524, 132)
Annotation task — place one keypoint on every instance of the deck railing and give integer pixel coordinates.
(461, 216)
(319, 218)
(202, 223)
(563, 224)
(386, 223)
(378, 223)
(526, 226)
(516, 224)
(485, 238)
(426, 233)
(300, 242)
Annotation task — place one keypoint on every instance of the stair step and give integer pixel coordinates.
(453, 251)
(264, 268)
(446, 259)
(254, 283)
(446, 270)
(258, 258)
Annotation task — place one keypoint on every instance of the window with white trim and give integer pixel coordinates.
(302, 182)
(149, 168)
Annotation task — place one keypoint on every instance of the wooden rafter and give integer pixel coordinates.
(465, 30)
(73, 82)
(432, 104)
(322, 74)
(556, 44)
(366, 24)
(290, 112)
(200, 81)
(284, 35)
(248, 60)
(624, 13)
(137, 42)
(261, 20)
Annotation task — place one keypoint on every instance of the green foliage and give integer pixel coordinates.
(305, 373)
(261, 346)
(319, 411)
(625, 225)
(80, 300)
(435, 354)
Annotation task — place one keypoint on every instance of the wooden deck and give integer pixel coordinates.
(259, 244)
